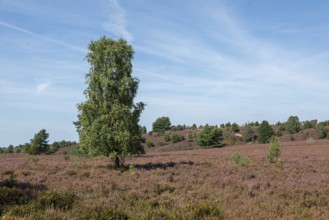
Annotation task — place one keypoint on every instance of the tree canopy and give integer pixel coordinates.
(161, 124)
(265, 132)
(108, 119)
(39, 144)
(209, 136)
(293, 124)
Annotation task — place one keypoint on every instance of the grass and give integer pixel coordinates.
(198, 184)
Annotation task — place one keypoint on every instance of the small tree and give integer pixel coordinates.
(39, 144)
(274, 153)
(293, 125)
(210, 136)
(108, 119)
(321, 131)
(161, 124)
(265, 132)
(11, 149)
(177, 138)
(235, 127)
(248, 134)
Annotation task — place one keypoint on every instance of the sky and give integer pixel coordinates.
(202, 62)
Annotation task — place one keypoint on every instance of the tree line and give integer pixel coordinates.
(38, 145)
(249, 132)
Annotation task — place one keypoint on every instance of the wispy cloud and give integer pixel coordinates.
(47, 39)
(116, 23)
(227, 64)
(41, 87)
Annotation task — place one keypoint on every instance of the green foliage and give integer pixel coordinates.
(108, 119)
(162, 143)
(321, 131)
(144, 130)
(248, 134)
(203, 211)
(33, 158)
(178, 127)
(161, 125)
(265, 132)
(150, 143)
(62, 201)
(11, 149)
(229, 140)
(177, 138)
(194, 126)
(310, 124)
(293, 125)
(241, 160)
(274, 153)
(103, 213)
(60, 144)
(167, 138)
(39, 144)
(235, 127)
(210, 136)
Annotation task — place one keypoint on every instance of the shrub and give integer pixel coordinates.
(274, 153)
(293, 125)
(150, 143)
(167, 138)
(39, 144)
(321, 131)
(177, 138)
(209, 136)
(229, 140)
(248, 134)
(241, 160)
(161, 125)
(62, 201)
(235, 127)
(162, 143)
(265, 132)
(56, 200)
(33, 158)
(103, 213)
(204, 211)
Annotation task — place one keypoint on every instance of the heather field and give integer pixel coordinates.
(189, 184)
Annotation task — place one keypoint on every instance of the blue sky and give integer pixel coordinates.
(198, 61)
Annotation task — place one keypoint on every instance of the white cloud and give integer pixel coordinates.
(116, 23)
(41, 87)
(50, 40)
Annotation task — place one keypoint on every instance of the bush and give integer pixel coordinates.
(265, 132)
(321, 131)
(104, 213)
(167, 138)
(39, 144)
(235, 127)
(177, 138)
(33, 158)
(248, 134)
(162, 143)
(274, 151)
(209, 136)
(161, 125)
(62, 201)
(204, 211)
(150, 143)
(293, 125)
(242, 160)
